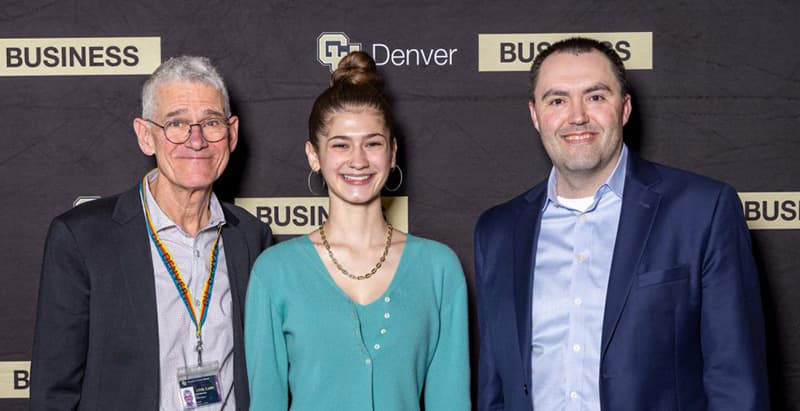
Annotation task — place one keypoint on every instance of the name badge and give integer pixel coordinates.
(198, 386)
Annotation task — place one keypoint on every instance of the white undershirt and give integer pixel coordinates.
(580, 204)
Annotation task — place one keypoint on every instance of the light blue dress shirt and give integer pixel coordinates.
(573, 261)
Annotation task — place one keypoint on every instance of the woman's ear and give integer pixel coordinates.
(312, 156)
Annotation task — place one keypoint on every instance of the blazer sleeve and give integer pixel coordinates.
(61, 333)
(447, 379)
(267, 239)
(732, 325)
(490, 386)
(265, 346)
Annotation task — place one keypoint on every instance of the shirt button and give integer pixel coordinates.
(576, 347)
(383, 331)
(577, 301)
(581, 258)
(386, 315)
(196, 302)
(377, 346)
(387, 299)
(573, 395)
(368, 361)
(584, 218)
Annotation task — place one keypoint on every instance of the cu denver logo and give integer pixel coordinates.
(332, 47)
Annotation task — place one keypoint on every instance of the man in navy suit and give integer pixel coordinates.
(616, 284)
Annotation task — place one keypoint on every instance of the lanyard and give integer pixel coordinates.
(177, 279)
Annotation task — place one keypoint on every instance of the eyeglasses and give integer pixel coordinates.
(178, 131)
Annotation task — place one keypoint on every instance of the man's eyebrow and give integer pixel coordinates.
(554, 92)
(590, 89)
(175, 112)
(212, 112)
(208, 111)
(597, 87)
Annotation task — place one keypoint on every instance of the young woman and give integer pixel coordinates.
(356, 315)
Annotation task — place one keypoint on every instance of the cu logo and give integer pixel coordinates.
(331, 47)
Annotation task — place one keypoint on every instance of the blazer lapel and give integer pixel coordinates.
(525, 234)
(236, 255)
(639, 208)
(136, 266)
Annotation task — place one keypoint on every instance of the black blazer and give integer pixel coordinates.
(96, 337)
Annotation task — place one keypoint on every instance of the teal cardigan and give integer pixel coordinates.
(305, 338)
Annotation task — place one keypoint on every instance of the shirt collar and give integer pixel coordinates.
(161, 221)
(615, 182)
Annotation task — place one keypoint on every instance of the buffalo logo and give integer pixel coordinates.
(332, 47)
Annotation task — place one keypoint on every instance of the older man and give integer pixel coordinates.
(616, 284)
(141, 294)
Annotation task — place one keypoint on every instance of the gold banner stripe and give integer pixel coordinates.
(302, 215)
(516, 51)
(79, 56)
(779, 210)
(14, 379)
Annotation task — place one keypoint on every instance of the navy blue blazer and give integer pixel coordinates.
(683, 326)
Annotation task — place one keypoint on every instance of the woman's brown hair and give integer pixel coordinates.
(355, 85)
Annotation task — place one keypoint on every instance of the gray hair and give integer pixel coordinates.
(184, 68)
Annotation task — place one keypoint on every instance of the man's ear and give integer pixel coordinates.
(626, 109)
(535, 119)
(144, 136)
(233, 133)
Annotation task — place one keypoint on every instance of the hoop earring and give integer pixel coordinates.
(308, 182)
(400, 170)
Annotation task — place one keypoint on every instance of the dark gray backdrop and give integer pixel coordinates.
(721, 100)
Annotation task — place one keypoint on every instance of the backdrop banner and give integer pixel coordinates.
(715, 91)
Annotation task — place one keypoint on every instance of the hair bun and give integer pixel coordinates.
(357, 68)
